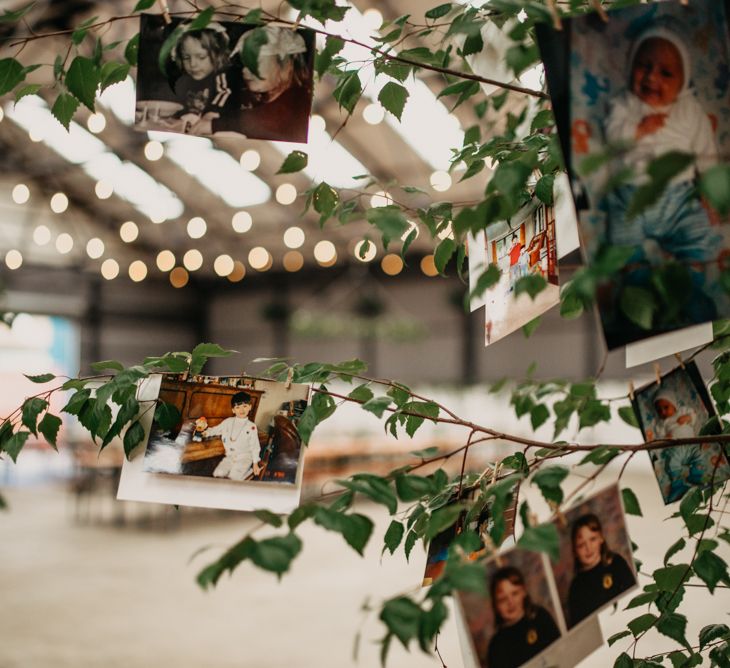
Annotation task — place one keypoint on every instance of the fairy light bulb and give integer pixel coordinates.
(128, 232)
(294, 237)
(165, 260)
(59, 203)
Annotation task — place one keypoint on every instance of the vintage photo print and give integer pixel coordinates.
(595, 565)
(652, 79)
(207, 86)
(679, 407)
(522, 246)
(517, 619)
(237, 429)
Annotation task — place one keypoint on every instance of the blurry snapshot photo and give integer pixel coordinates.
(232, 428)
(205, 87)
(595, 565)
(679, 407)
(475, 520)
(517, 619)
(653, 79)
(522, 246)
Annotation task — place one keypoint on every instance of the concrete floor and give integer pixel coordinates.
(98, 594)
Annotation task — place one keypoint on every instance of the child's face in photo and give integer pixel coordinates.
(587, 547)
(196, 60)
(657, 73)
(509, 600)
(272, 75)
(664, 408)
(241, 410)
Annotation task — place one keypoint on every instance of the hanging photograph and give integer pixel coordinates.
(595, 565)
(517, 619)
(476, 522)
(209, 82)
(679, 407)
(227, 428)
(651, 80)
(522, 246)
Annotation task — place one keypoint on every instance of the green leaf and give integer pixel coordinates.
(142, 5)
(444, 252)
(631, 503)
(642, 623)
(539, 415)
(202, 20)
(321, 10)
(356, 530)
(413, 487)
(163, 58)
(276, 554)
(40, 378)
(31, 409)
(623, 661)
(626, 413)
(548, 479)
(673, 626)
(642, 599)
(131, 51)
(133, 437)
(333, 45)
(571, 306)
(670, 578)
(390, 220)
(393, 536)
(375, 488)
(638, 305)
(402, 617)
(529, 329)
(711, 569)
(64, 108)
(377, 406)
(393, 97)
(600, 454)
(532, 284)
(673, 549)
(617, 636)
(268, 517)
(361, 393)
(542, 538)
(486, 280)
(49, 426)
(430, 624)
(9, 16)
(202, 352)
(11, 74)
(712, 632)
(112, 73)
(30, 89)
(325, 199)
(296, 161)
(82, 80)
(442, 519)
(107, 364)
(348, 90)
(438, 11)
(166, 415)
(15, 444)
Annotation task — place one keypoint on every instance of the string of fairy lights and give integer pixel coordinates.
(178, 264)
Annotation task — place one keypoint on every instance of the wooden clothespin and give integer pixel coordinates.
(631, 390)
(165, 11)
(289, 377)
(600, 10)
(553, 9)
(658, 373)
(677, 355)
(495, 471)
(492, 550)
(562, 521)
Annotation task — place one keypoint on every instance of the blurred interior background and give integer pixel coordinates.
(119, 245)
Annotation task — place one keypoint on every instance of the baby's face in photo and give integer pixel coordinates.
(657, 73)
(195, 58)
(241, 410)
(664, 408)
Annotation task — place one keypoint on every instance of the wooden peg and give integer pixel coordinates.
(553, 9)
(492, 549)
(289, 377)
(600, 10)
(165, 11)
(631, 390)
(679, 359)
(495, 471)
(559, 516)
(658, 373)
